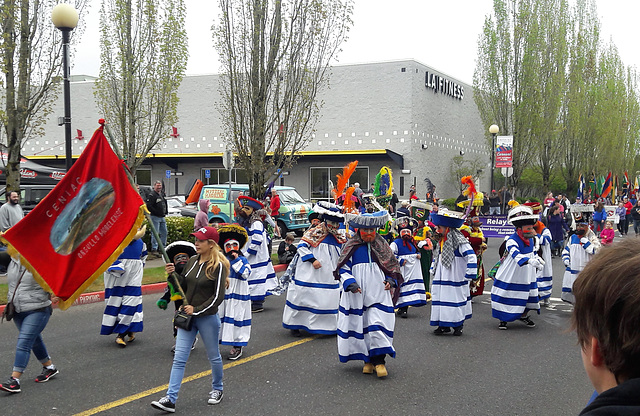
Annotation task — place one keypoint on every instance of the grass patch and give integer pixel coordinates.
(151, 275)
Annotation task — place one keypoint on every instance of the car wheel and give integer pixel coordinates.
(215, 221)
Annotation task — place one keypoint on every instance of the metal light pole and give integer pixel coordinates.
(493, 129)
(65, 17)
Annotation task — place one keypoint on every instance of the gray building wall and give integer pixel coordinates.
(375, 106)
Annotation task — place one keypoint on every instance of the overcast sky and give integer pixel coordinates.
(440, 33)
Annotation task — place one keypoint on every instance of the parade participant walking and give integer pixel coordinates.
(635, 216)
(454, 265)
(157, 206)
(32, 312)
(628, 218)
(412, 290)
(544, 275)
(515, 289)
(204, 280)
(472, 232)
(605, 318)
(263, 276)
(123, 292)
(581, 248)
(235, 311)
(179, 253)
(313, 296)
(621, 211)
(420, 211)
(367, 270)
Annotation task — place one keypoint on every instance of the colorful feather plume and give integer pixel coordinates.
(470, 192)
(343, 179)
(384, 183)
(350, 201)
(430, 187)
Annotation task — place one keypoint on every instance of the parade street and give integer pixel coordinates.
(486, 371)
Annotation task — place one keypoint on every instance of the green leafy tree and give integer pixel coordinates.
(31, 67)
(143, 58)
(275, 58)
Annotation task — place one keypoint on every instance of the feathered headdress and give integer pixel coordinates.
(383, 183)
(430, 187)
(350, 201)
(343, 179)
(470, 193)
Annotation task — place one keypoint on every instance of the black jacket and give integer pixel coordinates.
(156, 204)
(623, 399)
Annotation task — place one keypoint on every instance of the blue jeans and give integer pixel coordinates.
(30, 325)
(209, 328)
(160, 224)
(494, 210)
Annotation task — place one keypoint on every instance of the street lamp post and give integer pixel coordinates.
(65, 17)
(493, 129)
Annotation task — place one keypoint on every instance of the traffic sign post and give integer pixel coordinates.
(228, 162)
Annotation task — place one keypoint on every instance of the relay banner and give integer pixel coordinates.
(496, 226)
(76, 232)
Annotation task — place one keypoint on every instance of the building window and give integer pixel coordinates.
(319, 180)
(403, 70)
(143, 175)
(339, 135)
(366, 134)
(401, 185)
(221, 175)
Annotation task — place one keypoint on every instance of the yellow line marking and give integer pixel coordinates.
(158, 389)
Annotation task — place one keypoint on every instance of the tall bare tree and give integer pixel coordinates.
(143, 58)
(31, 69)
(275, 58)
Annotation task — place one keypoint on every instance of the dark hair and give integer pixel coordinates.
(607, 307)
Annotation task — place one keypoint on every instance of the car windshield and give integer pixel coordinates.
(290, 196)
(173, 203)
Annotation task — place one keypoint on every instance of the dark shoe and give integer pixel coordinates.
(12, 385)
(528, 322)
(257, 307)
(164, 404)
(457, 331)
(215, 397)
(442, 330)
(296, 333)
(402, 312)
(131, 336)
(47, 373)
(235, 353)
(502, 325)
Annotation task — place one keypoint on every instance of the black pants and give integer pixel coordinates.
(378, 359)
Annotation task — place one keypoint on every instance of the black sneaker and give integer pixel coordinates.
(442, 330)
(457, 331)
(502, 325)
(215, 397)
(165, 404)
(47, 373)
(235, 353)
(12, 385)
(528, 322)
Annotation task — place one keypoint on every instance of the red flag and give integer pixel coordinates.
(76, 232)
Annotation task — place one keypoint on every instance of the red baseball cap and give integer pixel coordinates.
(206, 233)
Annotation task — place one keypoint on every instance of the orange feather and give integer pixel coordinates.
(343, 179)
(349, 203)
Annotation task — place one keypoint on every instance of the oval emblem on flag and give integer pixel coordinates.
(82, 216)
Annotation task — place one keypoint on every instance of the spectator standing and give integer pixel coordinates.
(607, 235)
(202, 216)
(274, 204)
(605, 318)
(494, 203)
(505, 197)
(10, 214)
(157, 206)
(394, 202)
(599, 217)
(621, 211)
(628, 206)
(635, 215)
(557, 226)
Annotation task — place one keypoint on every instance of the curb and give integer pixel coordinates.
(93, 297)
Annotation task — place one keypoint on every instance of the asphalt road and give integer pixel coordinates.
(521, 371)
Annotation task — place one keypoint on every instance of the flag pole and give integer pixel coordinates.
(154, 232)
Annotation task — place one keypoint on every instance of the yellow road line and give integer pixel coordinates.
(158, 389)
